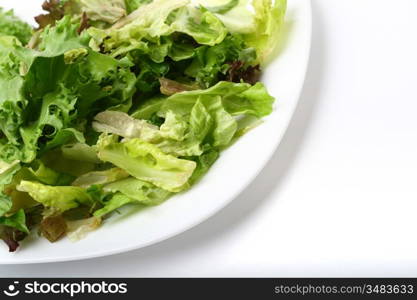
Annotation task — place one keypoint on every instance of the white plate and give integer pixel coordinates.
(235, 169)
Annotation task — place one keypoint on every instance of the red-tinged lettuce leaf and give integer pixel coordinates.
(55, 12)
(17, 221)
(212, 64)
(13, 229)
(239, 73)
(100, 13)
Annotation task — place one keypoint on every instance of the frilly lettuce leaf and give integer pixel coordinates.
(260, 26)
(60, 93)
(211, 64)
(96, 12)
(13, 26)
(237, 99)
(149, 28)
(36, 171)
(56, 160)
(61, 38)
(131, 191)
(204, 162)
(116, 201)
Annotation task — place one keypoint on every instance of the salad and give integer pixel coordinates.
(114, 102)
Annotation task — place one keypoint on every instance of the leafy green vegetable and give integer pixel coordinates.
(269, 18)
(122, 124)
(202, 119)
(60, 94)
(61, 198)
(260, 26)
(109, 11)
(221, 9)
(211, 64)
(132, 190)
(17, 220)
(146, 162)
(80, 152)
(149, 28)
(204, 162)
(237, 99)
(6, 176)
(96, 12)
(13, 26)
(132, 5)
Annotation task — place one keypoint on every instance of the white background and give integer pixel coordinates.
(339, 197)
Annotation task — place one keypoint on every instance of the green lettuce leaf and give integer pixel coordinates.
(149, 28)
(12, 25)
(116, 201)
(146, 162)
(95, 12)
(7, 171)
(132, 5)
(237, 99)
(259, 21)
(109, 11)
(17, 221)
(60, 91)
(61, 198)
(80, 152)
(204, 162)
(211, 64)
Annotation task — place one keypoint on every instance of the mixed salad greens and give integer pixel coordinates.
(112, 102)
